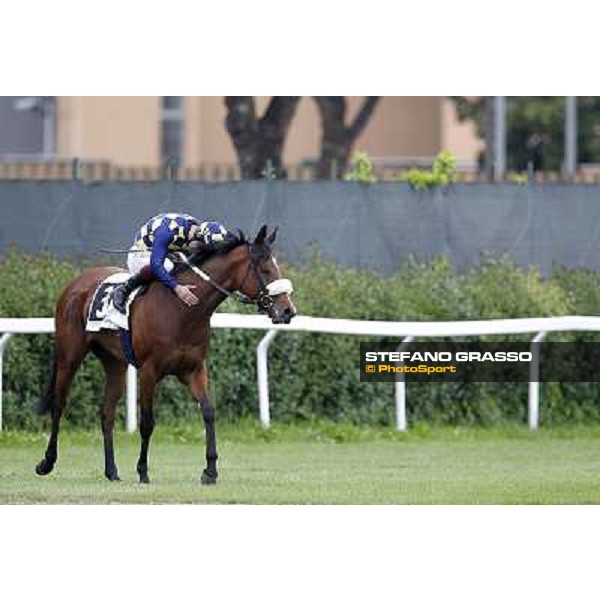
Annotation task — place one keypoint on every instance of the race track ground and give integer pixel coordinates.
(318, 464)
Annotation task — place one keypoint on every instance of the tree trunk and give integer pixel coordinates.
(259, 142)
(337, 137)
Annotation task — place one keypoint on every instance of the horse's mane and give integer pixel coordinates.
(233, 240)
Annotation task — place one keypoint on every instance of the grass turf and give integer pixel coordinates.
(316, 464)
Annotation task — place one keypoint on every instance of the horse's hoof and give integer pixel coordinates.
(208, 479)
(112, 476)
(44, 467)
(144, 479)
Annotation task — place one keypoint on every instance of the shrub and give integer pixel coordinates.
(362, 169)
(443, 173)
(518, 178)
(304, 382)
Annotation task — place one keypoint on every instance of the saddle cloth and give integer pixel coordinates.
(102, 314)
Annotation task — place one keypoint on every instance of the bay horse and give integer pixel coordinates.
(169, 338)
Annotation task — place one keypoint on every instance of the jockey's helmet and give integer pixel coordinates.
(211, 233)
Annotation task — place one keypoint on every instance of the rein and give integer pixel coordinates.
(236, 295)
(266, 291)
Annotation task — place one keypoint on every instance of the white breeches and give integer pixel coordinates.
(136, 261)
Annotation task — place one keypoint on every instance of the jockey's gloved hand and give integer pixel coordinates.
(185, 294)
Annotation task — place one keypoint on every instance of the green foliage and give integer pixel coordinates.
(518, 178)
(445, 165)
(443, 173)
(362, 169)
(269, 172)
(535, 128)
(316, 376)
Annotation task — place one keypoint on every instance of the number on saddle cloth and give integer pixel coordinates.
(103, 297)
(102, 314)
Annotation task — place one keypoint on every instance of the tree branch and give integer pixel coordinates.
(363, 117)
(280, 111)
(275, 123)
(241, 115)
(259, 142)
(242, 126)
(337, 138)
(333, 112)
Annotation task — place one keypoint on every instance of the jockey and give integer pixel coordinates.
(147, 258)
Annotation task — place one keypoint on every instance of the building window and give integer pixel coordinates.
(172, 130)
(27, 127)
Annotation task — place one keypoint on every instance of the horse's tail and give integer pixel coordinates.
(45, 403)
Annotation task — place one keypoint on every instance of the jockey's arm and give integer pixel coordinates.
(160, 249)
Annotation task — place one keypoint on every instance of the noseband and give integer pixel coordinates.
(266, 291)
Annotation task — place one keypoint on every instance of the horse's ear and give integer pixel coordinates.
(273, 235)
(262, 234)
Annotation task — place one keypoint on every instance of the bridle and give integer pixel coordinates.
(266, 291)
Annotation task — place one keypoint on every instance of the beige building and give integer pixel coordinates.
(143, 131)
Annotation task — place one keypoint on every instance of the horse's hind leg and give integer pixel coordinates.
(65, 367)
(115, 371)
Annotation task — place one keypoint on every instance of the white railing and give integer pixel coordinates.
(405, 331)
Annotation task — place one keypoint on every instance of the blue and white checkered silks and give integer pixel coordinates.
(178, 224)
(211, 232)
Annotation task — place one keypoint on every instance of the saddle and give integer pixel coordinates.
(102, 314)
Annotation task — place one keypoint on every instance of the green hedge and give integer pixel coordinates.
(305, 382)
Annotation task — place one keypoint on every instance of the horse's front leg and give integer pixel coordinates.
(209, 475)
(198, 384)
(147, 386)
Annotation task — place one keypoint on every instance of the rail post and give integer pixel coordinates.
(262, 368)
(131, 419)
(3, 341)
(533, 412)
(400, 390)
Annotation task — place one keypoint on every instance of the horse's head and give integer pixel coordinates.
(262, 281)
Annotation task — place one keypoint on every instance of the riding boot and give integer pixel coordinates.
(121, 292)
